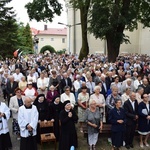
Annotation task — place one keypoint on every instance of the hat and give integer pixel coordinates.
(29, 83)
(66, 102)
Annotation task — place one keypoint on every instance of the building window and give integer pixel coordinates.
(42, 39)
(52, 39)
(63, 40)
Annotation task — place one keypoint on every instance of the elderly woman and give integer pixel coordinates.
(51, 94)
(83, 99)
(139, 94)
(144, 120)
(100, 100)
(68, 136)
(68, 96)
(15, 102)
(23, 83)
(93, 118)
(118, 120)
(125, 96)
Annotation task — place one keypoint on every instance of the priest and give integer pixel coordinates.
(28, 120)
(5, 141)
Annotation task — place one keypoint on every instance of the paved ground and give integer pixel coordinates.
(102, 144)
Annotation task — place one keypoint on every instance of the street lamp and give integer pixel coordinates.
(69, 26)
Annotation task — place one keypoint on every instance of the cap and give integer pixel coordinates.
(29, 83)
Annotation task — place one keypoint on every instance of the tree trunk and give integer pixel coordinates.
(112, 49)
(85, 47)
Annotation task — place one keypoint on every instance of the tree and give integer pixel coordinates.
(8, 29)
(83, 6)
(110, 18)
(25, 42)
(28, 36)
(21, 37)
(43, 10)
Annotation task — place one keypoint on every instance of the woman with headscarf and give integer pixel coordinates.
(68, 136)
(55, 109)
(42, 107)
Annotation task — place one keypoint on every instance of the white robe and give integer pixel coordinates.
(4, 124)
(27, 116)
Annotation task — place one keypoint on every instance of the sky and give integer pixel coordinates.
(22, 15)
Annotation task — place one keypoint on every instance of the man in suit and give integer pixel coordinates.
(131, 109)
(105, 86)
(10, 87)
(109, 79)
(18, 65)
(145, 86)
(66, 81)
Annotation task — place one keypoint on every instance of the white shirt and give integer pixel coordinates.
(30, 93)
(137, 83)
(64, 97)
(77, 85)
(132, 103)
(31, 79)
(17, 77)
(42, 82)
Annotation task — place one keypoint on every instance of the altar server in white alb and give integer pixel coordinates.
(28, 120)
(5, 141)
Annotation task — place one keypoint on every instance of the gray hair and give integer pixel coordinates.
(97, 87)
(140, 88)
(91, 101)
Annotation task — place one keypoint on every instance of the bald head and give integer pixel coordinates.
(28, 102)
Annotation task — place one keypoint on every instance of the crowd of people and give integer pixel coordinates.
(50, 87)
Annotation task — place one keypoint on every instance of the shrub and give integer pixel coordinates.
(47, 48)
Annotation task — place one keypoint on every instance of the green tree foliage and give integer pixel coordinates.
(28, 36)
(83, 6)
(43, 10)
(110, 18)
(8, 29)
(21, 37)
(25, 41)
(47, 48)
